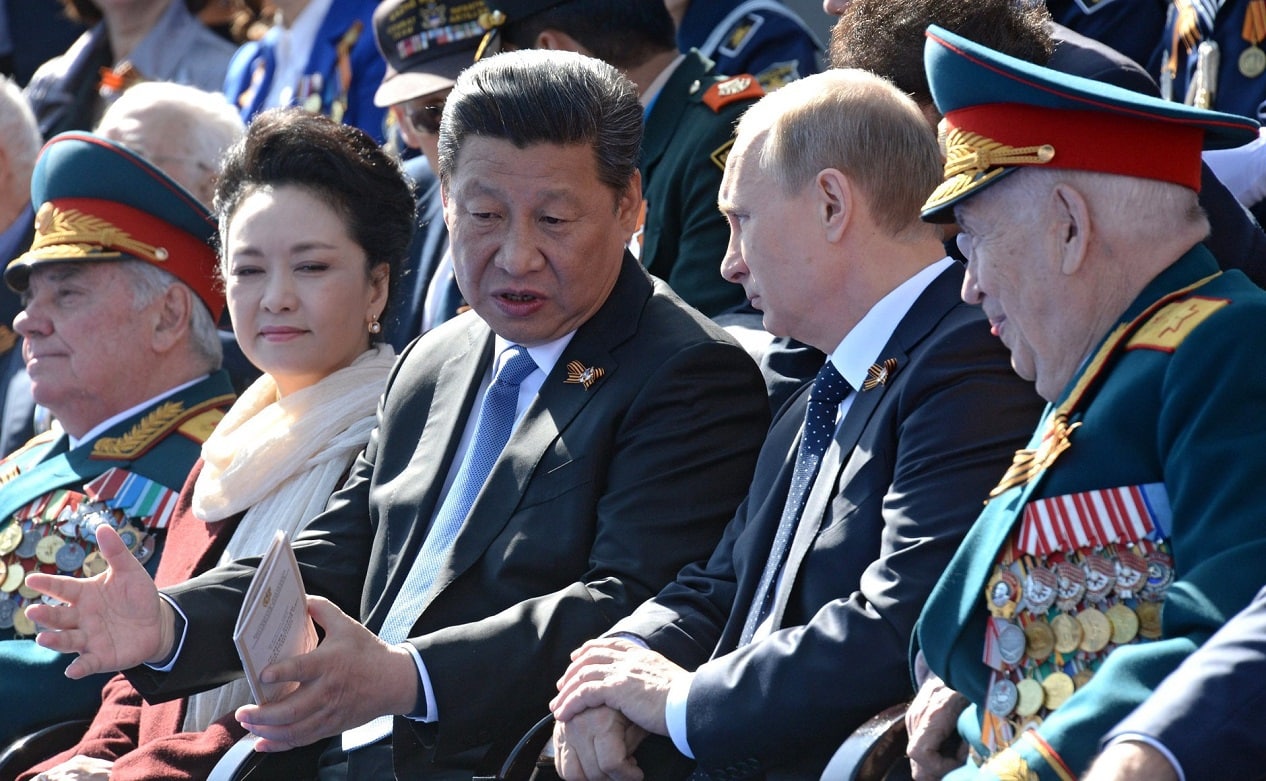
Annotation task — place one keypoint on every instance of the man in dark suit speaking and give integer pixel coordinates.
(759, 661)
(542, 465)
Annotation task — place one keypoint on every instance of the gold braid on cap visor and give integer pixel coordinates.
(65, 232)
(971, 160)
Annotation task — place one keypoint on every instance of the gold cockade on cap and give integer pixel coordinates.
(972, 159)
(68, 230)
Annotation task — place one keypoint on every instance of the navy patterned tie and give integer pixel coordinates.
(829, 389)
(496, 421)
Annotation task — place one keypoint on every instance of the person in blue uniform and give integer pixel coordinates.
(690, 112)
(1124, 534)
(1131, 27)
(320, 54)
(121, 347)
(1212, 54)
(762, 37)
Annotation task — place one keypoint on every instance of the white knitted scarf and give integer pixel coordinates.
(279, 460)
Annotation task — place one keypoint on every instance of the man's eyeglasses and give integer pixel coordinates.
(424, 117)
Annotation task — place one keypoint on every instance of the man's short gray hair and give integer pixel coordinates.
(19, 133)
(213, 125)
(149, 282)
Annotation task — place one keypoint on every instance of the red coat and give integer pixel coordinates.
(145, 741)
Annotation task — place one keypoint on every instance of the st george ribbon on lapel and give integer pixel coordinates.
(496, 421)
(829, 389)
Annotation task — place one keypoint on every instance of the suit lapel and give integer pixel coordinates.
(556, 404)
(928, 310)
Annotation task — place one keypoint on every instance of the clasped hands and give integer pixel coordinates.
(116, 620)
(611, 697)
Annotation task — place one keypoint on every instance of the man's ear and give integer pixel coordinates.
(833, 202)
(172, 313)
(556, 40)
(1072, 221)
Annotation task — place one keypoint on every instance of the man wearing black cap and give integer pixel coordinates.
(1127, 531)
(690, 113)
(120, 344)
(426, 47)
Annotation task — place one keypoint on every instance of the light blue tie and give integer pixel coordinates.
(492, 431)
(829, 389)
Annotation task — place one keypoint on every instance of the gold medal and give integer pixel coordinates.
(21, 624)
(1149, 615)
(1082, 677)
(1067, 633)
(1039, 640)
(46, 551)
(25, 591)
(1058, 687)
(10, 538)
(13, 578)
(1031, 696)
(1125, 625)
(94, 564)
(1096, 630)
(1252, 62)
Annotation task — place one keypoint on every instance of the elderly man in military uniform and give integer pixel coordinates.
(1127, 531)
(761, 37)
(121, 347)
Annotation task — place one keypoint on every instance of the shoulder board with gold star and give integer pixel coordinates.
(733, 89)
(1173, 322)
(194, 422)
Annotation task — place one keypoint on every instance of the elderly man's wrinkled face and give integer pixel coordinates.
(537, 239)
(1013, 274)
(84, 339)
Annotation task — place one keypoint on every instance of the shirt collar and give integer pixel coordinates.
(543, 355)
(861, 346)
(106, 424)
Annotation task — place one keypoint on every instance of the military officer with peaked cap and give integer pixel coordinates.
(1129, 529)
(120, 342)
(690, 113)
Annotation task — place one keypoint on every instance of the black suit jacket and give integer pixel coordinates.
(911, 463)
(600, 496)
(430, 241)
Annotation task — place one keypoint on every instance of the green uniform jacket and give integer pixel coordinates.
(1190, 413)
(160, 444)
(683, 158)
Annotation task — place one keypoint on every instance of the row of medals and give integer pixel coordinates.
(67, 543)
(1082, 608)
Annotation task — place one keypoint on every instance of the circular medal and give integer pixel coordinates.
(1011, 642)
(1082, 677)
(30, 539)
(13, 578)
(25, 591)
(145, 550)
(1002, 697)
(1131, 573)
(131, 537)
(1149, 615)
(21, 624)
(1040, 640)
(1125, 625)
(94, 564)
(1067, 633)
(46, 550)
(70, 557)
(1160, 573)
(1058, 687)
(8, 608)
(1252, 62)
(10, 538)
(1030, 696)
(1101, 576)
(1040, 588)
(1072, 585)
(1002, 594)
(1096, 630)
